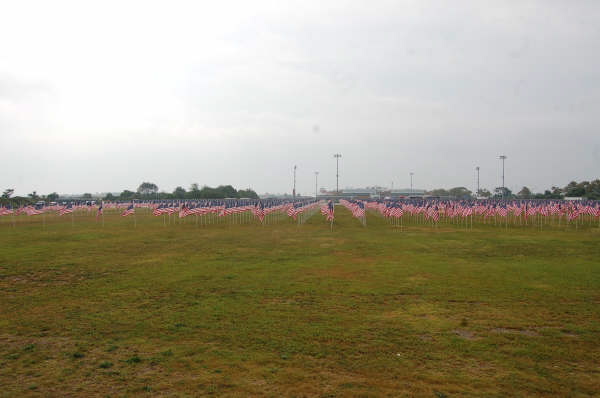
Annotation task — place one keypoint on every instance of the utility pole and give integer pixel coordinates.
(411, 185)
(294, 191)
(337, 157)
(477, 193)
(316, 184)
(503, 158)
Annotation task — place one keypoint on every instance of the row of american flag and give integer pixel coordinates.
(181, 209)
(508, 210)
(427, 210)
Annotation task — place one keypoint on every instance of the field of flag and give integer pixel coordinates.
(398, 213)
(276, 298)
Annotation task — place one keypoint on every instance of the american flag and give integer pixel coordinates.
(172, 208)
(396, 211)
(32, 211)
(433, 213)
(100, 211)
(4, 211)
(259, 211)
(184, 211)
(502, 211)
(357, 208)
(467, 211)
(161, 209)
(129, 211)
(292, 210)
(66, 210)
(328, 211)
(229, 209)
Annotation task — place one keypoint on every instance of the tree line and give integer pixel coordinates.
(148, 190)
(145, 191)
(583, 189)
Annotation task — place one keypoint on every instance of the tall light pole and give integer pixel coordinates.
(294, 191)
(503, 158)
(411, 186)
(477, 193)
(337, 157)
(316, 179)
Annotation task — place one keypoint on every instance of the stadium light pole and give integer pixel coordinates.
(411, 185)
(503, 158)
(477, 193)
(337, 157)
(294, 191)
(316, 179)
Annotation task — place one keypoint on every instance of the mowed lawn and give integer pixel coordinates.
(298, 311)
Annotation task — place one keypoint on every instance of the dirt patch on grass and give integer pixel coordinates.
(466, 334)
(524, 332)
(393, 314)
(46, 278)
(568, 333)
(419, 277)
(278, 300)
(469, 302)
(10, 340)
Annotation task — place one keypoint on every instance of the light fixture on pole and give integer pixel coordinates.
(337, 157)
(477, 193)
(316, 177)
(503, 158)
(294, 191)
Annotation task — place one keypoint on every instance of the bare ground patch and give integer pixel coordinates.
(524, 332)
(466, 334)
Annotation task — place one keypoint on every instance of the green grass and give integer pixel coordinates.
(283, 310)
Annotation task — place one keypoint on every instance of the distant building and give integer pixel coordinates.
(372, 193)
(404, 193)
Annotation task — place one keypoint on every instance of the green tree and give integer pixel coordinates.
(147, 188)
(52, 197)
(210, 193)
(109, 196)
(593, 190)
(438, 192)
(227, 191)
(86, 195)
(484, 193)
(575, 189)
(165, 195)
(247, 193)
(460, 193)
(127, 195)
(179, 193)
(194, 192)
(8, 193)
(548, 194)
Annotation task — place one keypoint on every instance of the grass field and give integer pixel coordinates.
(283, 310)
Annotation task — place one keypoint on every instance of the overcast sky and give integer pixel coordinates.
(100, 96)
